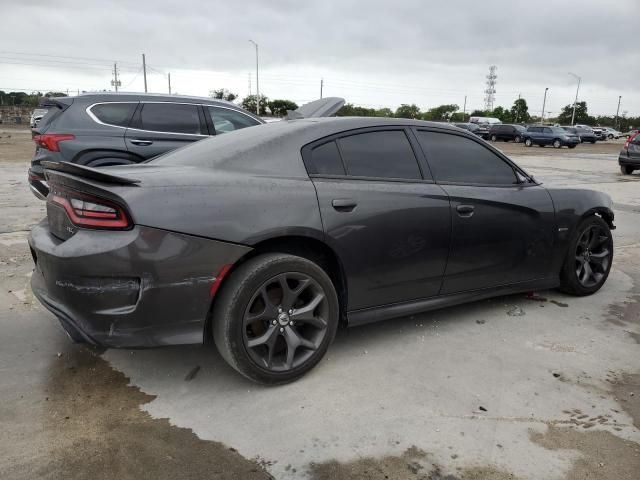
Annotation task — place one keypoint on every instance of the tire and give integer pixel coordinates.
(592, 141)
(494, 138)
(517, 139)
(626, 169)
(557, 143)
(528, 142)
(610, 137)
(598, 249)
(571, 146)
(237, 323)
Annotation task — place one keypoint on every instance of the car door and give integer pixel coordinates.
(159, 127)
(502, 228)
(382, 214)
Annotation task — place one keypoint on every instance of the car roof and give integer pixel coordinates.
(161, 97)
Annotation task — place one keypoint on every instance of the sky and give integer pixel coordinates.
(373, 53)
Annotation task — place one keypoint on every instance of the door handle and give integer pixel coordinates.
(465, 211)
(344, 204)
(142, 143)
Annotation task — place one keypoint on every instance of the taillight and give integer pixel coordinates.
(50, 141)
(91, 212)
(629, 140)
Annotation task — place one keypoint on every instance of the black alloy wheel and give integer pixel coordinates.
(275, 317)
(589, 259)
(284, 322)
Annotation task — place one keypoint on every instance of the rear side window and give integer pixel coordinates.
(117, 114)
(171, 118)
(325, 160)
(383, 154)
(227, 120)
(457, 159)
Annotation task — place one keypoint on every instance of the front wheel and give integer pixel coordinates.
(528, 142)
(588, 261)
(572, 146)
(275, 317)
(517, 139)
(494, 138)
(557, 144)
(626, 169)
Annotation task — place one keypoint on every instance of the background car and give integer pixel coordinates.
(126, 128)
(612, 133)
(473, 128)
(629, 158)
(507, 132)
(600, 133)
(262, 252)
(556, 136)
(36, 116)
(585, 135)
(631, 132)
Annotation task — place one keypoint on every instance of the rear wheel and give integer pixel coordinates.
(528, 142)
(593, 141)
(493, 138)
(588, 261)
(626, 169)
(275, 317)
(517, 139)
(571, 146)
(557, 143)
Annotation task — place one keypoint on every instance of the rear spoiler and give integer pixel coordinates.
(87, 172)
(324, 107)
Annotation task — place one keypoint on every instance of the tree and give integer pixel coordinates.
(479, 113)
(223, 94)
(279, 107)
(249, 103)
(520, 111)
(383, 112)
(443, 112)
(581, 115)
(501, 114)
(408, 111)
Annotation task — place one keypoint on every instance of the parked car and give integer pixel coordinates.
(631, 132)
(265, 239)
(584, 134)
(127, 128)
(507, 133)
(486, 120)
(629, 158)
(473, 128)
(612, 133)
(36, 116)
(599, 133)
(556, 136)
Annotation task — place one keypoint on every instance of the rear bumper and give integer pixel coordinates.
(625, 161)
(37, 182)
(139, 288)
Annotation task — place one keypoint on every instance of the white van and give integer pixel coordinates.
(487, 120)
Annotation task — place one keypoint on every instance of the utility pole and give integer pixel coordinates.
(144, 72)
(543, 104)
(115, 82)
(618, 110)
(321, 85)
(169, 78)
(464, 108)
(573, 115)
(249, 75)
(257, 81)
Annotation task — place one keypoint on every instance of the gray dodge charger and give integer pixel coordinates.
(264, 240)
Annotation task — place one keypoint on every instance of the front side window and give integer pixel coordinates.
(382, 154)
(457, 159)
(117, 114)
(227, 120)
(171, 118)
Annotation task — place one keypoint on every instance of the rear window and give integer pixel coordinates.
(118, 114)
(382, 154)
(171, 118)
(227, 120)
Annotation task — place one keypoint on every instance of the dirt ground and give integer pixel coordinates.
(475, 392)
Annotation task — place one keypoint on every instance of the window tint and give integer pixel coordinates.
(457, 159)
(114, 113)
(227, 120)
(383, 154)
(533, 129)
(170, 117)
(325, 159)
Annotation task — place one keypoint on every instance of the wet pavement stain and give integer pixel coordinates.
(96, 430)
(604, 455)
(626, 390)
(412, 464)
